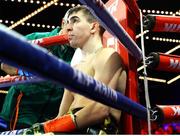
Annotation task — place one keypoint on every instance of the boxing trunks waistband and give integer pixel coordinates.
(109, 126)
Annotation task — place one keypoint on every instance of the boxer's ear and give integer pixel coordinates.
(63, 23)
(94, 27)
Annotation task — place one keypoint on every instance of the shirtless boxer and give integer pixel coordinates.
(76, 112)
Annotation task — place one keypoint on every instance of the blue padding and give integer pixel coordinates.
(13, 132)
(3, 124)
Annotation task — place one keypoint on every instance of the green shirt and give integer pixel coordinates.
(40, 101)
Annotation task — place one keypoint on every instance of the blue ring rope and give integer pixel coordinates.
(16, 51)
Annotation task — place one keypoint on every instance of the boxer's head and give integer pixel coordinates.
(82, 25)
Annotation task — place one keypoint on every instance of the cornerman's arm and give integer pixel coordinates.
(9, 69)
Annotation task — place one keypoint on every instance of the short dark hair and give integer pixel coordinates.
(86, 11)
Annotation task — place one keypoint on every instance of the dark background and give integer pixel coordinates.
(160, 93)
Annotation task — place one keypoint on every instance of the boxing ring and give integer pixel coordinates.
(15, 50)
(52, 68)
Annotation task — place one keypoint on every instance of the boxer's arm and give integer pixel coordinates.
(93, 113)
(108, 68)
(111, 71)
(65, 103)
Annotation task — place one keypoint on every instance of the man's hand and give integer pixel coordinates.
(35, 129)
(93, 113)
(9, 69)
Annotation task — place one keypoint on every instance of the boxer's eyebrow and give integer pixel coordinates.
(73, 18)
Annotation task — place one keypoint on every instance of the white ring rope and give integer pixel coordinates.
(148, 106)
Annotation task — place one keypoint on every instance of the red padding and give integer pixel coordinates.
(171, 113)
(133, 7)
(170, 63)
(61, 124)
(166, 24)
(50, 41)
(165, 62)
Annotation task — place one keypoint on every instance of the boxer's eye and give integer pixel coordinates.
(75, 20)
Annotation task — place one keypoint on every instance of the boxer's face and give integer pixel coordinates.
(78, 29)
